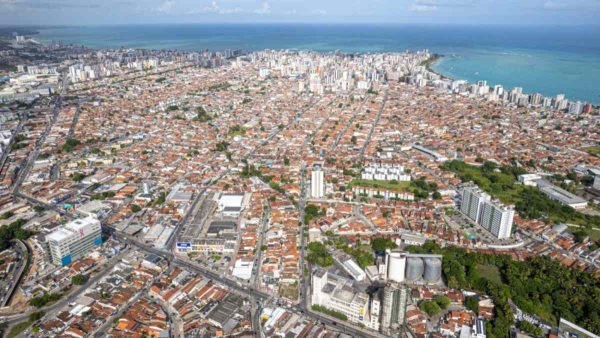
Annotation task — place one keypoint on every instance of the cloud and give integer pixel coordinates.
(166, 6)
(291, 12)
(264, 8)
(215, 8)
(422, 8)
(554, 5)
(434, 5)
(319, 11)
(45, 5)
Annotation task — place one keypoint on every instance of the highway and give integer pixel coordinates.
(51, 309)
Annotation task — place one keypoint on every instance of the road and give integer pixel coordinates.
(348, 124)
(101, 331)
(16, 132)
(375, 122)
(24, 251)
(51, 309)
(248, 291)
(255, 279)
(24, 172)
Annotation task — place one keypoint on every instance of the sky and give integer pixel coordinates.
(101, 12)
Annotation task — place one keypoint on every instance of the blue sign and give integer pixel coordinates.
(184, 244)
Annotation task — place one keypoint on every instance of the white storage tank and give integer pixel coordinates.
(396, 266)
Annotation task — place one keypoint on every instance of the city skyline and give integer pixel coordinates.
(94, 12)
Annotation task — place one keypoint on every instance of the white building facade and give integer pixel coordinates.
(73, 240)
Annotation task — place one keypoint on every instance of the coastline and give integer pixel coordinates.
(435, 58)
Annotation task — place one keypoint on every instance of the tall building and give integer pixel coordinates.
(472, 202)
(337, 293)
(491, 215)
(317, 184)
(73, 240)
(497, 219)
(393, 313)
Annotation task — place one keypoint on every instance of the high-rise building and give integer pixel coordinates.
(576, 107)
(393, 314)
(472, 202)
(317, 184)
(491, 215)
(73, 240)
(497, 219)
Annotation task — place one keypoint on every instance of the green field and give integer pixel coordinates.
(389, 185)
(593, 150)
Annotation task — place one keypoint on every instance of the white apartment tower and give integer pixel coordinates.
(317, 184)
(493, 216)
(472, 202)
(497, 219)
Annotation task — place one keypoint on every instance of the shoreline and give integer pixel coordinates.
(433, 60)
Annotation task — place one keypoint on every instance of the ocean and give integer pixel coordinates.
(545, 59)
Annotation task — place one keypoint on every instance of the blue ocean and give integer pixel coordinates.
(545, 59)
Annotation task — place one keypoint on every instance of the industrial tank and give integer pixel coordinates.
(396, 266)
(433, 270)
(414, 269)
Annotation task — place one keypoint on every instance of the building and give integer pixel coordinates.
(393, 312)
(497, 219)
(385, 172)
(472, 199)
(317, 184)
(338, 294)
(561, 195)
(73, 240)
(493, 216)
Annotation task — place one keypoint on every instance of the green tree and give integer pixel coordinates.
(79, 279)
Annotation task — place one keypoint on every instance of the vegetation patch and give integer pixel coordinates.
(538, 285)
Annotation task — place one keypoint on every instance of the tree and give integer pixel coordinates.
(286, 161)
(135, 208)
(472, 303)
(35, 316)
(79, 279)
(443, 301)
(381, 244)
(436, 195)
(430, 307)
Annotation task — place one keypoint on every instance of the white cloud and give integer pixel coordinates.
(554, 5)
(166, 6)
(292, 12)
(215, 8)
(264, 8)
(422, 8)
(320, 11)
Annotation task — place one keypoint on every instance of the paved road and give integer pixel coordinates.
(349, 123)
(377, 118)
(24, 172)
(51, 309)
(16, 132)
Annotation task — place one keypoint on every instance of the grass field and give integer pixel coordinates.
(390, 185)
